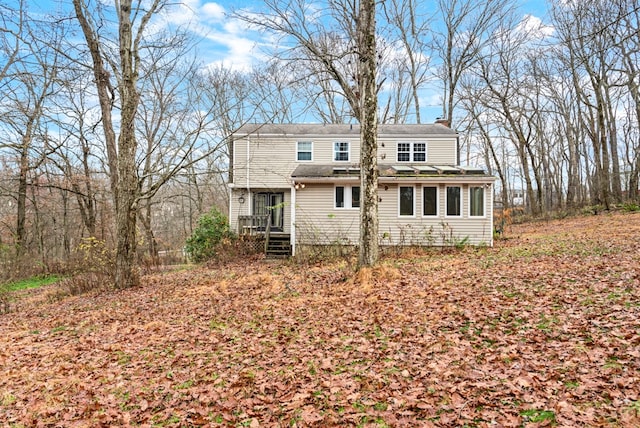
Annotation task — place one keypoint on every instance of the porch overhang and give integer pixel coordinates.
(392, 173)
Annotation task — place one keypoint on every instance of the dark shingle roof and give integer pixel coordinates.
(309, 129)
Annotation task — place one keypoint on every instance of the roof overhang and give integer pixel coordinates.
(400, 173)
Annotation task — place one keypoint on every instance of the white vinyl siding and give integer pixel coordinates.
(268, 165)
(436, 230)
(318, 223)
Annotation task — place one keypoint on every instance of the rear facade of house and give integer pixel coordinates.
(303, 182)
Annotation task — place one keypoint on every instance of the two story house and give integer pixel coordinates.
(304, 180)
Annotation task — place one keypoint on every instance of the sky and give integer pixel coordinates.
(224, 40)
(227, 42)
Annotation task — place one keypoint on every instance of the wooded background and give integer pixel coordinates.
(550, 107)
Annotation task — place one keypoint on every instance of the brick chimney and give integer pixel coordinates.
(444, 122)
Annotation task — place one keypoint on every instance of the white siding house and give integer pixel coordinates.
(304, 178)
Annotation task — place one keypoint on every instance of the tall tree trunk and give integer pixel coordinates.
(121, 154)
(126, 274)
(22, 199)
(368, 254)
(573, 173)
(145, 220)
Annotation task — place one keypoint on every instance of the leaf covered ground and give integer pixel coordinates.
(541, 330)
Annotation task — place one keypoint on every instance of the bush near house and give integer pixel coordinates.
(212, 231)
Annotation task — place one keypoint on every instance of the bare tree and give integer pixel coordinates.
(341, 46)
(32, 74)
(185, 119)
(594, 37)
(409, 59)
(468, 25)
(627, 39)
(279, 91)
(117, 81)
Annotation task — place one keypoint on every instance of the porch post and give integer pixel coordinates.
(292, 235)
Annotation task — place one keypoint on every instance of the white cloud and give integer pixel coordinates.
(234, 51)
(213, 11)
(533, 26)
(224, 40)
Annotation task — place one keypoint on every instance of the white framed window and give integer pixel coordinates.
(406, 201)
(347, 197)
(476, 201)
(453, 201)
(419, 152)
(304, 151)
(341, 151)
(404, 152)
(411, 152)
(430, 201)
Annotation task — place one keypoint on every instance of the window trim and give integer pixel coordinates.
(484, 210)
(437, 187)
(413, 201)
(398, 152)
(446, 202)
(348, 151)
(347, 196)
(359, 196)
(298, 151)
(412, 151)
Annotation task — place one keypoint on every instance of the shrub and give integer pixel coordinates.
(92, 267)
(212, 231)
(630, 207)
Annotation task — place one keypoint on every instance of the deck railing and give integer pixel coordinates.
(258, 228)
(252, 224)
(255, 225)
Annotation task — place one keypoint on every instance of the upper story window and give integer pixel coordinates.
(341, 152)
(304, 151)
(412, 152)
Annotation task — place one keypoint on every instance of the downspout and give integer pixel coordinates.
(489, 191)
(292, 238)
(248, 181)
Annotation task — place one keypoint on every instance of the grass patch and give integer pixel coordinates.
(35, 282)
(539, 416)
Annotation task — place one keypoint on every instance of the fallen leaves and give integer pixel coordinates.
(540, 330)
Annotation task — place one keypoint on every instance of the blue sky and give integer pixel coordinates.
(224, 40)
(228, 42)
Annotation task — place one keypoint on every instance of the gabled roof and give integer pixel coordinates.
(310, 129)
